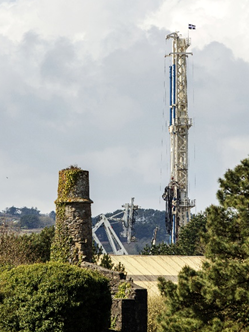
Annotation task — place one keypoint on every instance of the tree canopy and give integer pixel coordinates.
(53, 297)
(189, 240)
(22, 211)
(216, 298)
(16, 249)
(26, 218)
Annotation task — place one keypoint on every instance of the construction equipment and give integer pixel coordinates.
(178, 204)
(128, 221)
(116, 244)
(153, 240)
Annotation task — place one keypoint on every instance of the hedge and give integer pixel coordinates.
(54, 297)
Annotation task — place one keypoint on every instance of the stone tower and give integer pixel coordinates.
(73, 233)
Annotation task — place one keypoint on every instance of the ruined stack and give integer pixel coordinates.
(73, 244)
(73, 234)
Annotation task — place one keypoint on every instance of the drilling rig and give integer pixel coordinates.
(178, 204)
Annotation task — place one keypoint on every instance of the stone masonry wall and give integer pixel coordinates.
(130, 314)
(73, 243)
(79, 223)
(73, 234)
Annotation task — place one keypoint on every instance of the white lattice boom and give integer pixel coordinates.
(178, 204)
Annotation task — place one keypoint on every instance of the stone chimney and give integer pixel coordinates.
(73, 232)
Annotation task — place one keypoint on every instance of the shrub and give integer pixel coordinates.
(155, 307)
(124, 290)
(41, 243)
(16, 249)
(53, 297)
(105, 261)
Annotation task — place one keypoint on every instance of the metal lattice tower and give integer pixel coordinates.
(128, 221)
(178, 204)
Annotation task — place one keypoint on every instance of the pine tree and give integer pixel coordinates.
(188, 243)
(216, 298)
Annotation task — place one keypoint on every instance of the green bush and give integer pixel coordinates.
(16, 249)
(124, 290)
(155, 307)
(53, 297)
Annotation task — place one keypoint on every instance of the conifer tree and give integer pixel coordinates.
(216, 298)
(188, 242)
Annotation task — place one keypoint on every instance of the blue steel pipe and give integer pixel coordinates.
(174, 90)
(173, 229)
(170, 95)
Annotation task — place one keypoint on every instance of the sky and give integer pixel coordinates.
(84, 83)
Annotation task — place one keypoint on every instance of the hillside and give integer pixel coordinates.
(146, 220)
(26, 218)
(145, 223)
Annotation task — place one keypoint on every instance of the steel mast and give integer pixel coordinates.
(178, 204)
(128, 221)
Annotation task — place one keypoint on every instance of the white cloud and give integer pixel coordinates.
(88, 22)
(222, 21)
(233, 149)
(112, 162)
(82, 83)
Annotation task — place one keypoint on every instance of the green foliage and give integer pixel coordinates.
(155, 307)
(189, 242)
(29, 211)
(12, 210)
(16, 249)
(15, 211)
(61, 246)
(53, 297)
(106, 262)
(113, 322)
(190, 236)
(119, 267)
(67, 181)
(52, 215)
(30, 221)
(124, 290)
(41, 243)
(216, 298)
(26, 218)
(162, 249)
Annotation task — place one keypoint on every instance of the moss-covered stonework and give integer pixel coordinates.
(73, 233)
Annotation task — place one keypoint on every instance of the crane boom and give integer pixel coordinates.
(178, 204)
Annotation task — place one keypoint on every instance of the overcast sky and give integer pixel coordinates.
(82, 83)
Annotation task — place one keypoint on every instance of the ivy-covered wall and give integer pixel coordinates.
(73, 233)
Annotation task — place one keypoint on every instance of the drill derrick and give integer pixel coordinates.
(178, 204)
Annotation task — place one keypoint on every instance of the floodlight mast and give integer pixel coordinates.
(178, 204)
